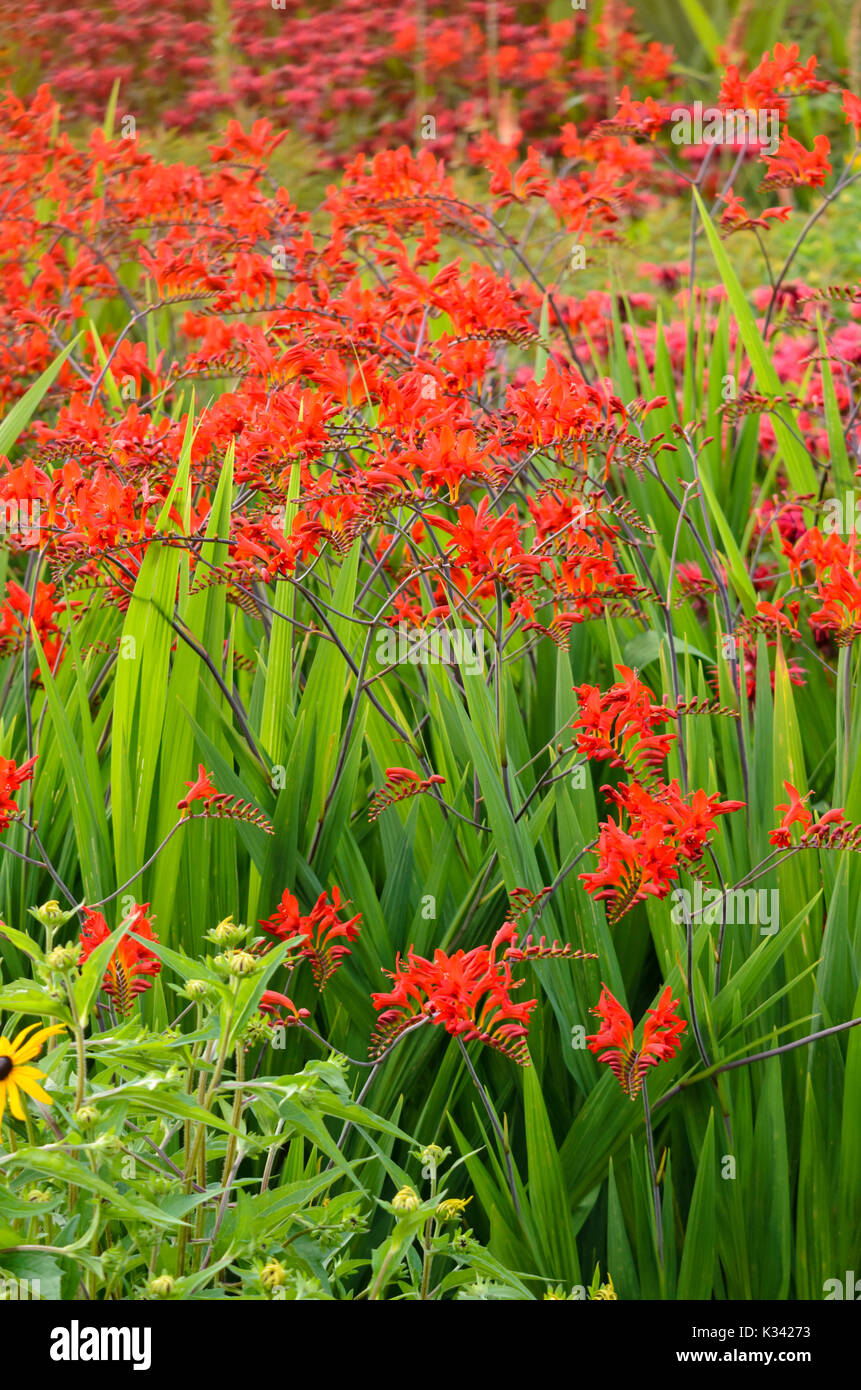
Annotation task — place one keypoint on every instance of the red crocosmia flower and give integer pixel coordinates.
(665, 830)
(286, 920)
(400, 782)
(768, 83)
(833, 831)
(795, 813)
(322, 931)
(658, 828)
(772, 614)
(131, 967)
(838, 581)
(12, 779)
(253, 147)
(618, 724)
(736, 218)
(530, 181)
(623, 876)
(661, 1039)
(640, 117)
(18, 612)
(852, 112)
(199, 790)
(271, 1002)
(468, 994)
(795, 165)
(693, 821)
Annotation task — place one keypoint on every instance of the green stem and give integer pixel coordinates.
(208, 1098)
(650, 1145)
(427, 1242)
(384, 1269)
(198, 1150)
(755, 1057)
(82, 1067)
(81, 1077)
(235, 1116)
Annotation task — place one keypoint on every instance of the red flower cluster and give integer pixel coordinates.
(12, 778)
(837, 568)
(333, 71)
(468, 994)
(131, 968)
(311, 348)
(661, 1039)
(665, 830)
(796, 166)
(618, 724)
(17, 613)
(321, 931)
(768, 84)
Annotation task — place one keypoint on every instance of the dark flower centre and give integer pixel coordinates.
(6, 1065)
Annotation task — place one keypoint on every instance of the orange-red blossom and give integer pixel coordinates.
(661, 1038)
(323, 933)
(132, 966)
(12, 778)
(795, 812)
(468, 994)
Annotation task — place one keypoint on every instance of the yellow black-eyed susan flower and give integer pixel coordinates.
(15, 1073)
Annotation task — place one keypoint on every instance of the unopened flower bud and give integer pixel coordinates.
(50, 915)
(162, 1286)
(159, 1184)
(273, 1275)
(405, 1200)
(64, 957)
(110, 1143)
(227, 933)
(432, 1154)
(257, 1031)
(38, 1194)
(606, 1291)
(242, 962)
(85, 1116)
